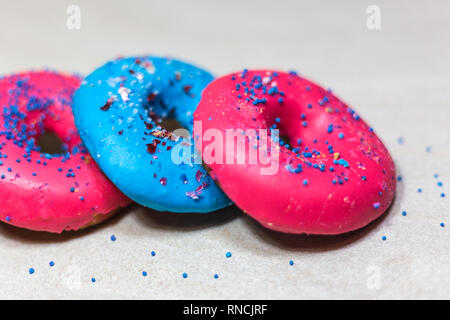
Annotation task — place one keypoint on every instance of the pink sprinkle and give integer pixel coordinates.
(198, 175)
(192, 195)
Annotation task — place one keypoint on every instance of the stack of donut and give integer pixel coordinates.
(299, 160)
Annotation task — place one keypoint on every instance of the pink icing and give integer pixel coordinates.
(36, 192)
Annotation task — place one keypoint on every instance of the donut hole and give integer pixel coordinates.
(170, 124)
(282, 119)
(50, 143)
(285, 138)
(163, 115)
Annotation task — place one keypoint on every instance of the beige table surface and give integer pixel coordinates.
(398, 78)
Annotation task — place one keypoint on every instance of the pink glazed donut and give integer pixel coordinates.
(332, 173)
(41, 191)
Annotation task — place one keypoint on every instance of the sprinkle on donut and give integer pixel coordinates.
(42, 191)
(334, 174)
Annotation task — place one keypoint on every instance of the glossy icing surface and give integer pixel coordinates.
(334, 174)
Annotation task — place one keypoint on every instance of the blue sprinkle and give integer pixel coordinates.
(144, 273)
(383, 238)
(343, 163)
(341, 135)
(419, 190)
(216, 276)
(31, 270)
(113, 238)
(93, 280)
(305, 182)
(294, 170)
(439, 184)
(153, 253)
(51, 263)
(330, 128)
(442, 195)
(442, 224)
(291, 263)
(228, 255)
(403, 213)
(185, 275)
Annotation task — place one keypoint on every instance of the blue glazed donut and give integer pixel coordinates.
(118, 110)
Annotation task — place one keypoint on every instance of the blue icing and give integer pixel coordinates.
(117, 111)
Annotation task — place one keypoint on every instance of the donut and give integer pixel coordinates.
(329, 173)
(118, 111)
(42, 191)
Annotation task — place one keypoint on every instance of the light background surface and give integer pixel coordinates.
(397, 78)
